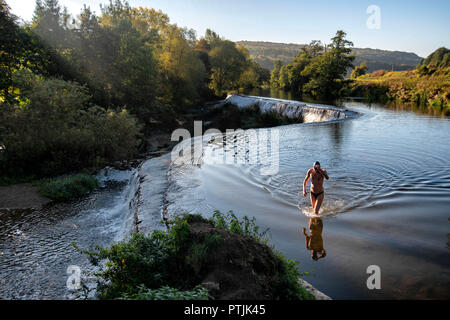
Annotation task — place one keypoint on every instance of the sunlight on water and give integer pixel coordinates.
(386, 201)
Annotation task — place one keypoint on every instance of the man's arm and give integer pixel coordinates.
(306, 181)
(307, 237)
(325, 174)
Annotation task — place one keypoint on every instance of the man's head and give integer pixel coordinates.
(317, 165)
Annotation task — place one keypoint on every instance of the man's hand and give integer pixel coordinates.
(304, 193)
(323, 172)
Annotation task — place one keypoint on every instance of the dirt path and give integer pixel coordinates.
(21, 196)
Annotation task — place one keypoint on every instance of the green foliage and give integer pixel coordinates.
(130, 264)
(153, 262)
(199, 250)
(167, 293)
(285, 284)
(22, 48)
(166, 265)
(66, 188)
(424, 86)
(317, 71)
(227, 63)
(438, 59)
(53, 129)
(229, 221)
(275, 75)
(266, 53)
(328, 69)
(359, 71)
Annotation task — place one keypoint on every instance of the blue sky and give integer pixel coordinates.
(414, 26)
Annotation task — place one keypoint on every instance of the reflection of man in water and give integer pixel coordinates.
(314, 241)
(317, 176)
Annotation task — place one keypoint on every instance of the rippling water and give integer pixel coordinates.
(36, 245)
(387, 202)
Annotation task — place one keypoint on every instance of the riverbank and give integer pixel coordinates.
(376, 199)
(150, 201)
(21, 197)
(190, 261)
(426, 87)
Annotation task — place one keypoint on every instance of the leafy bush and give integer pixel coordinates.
(229, 221)
(378, 73)
(130, 264)
(169, 265)
(53, 129)
(424, 86)
(65, 188)
(285, 284)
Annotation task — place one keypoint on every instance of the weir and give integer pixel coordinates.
(163, 182)
(308, 112)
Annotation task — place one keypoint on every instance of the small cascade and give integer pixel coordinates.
(147, 205)
(292, 109)
(166, 187)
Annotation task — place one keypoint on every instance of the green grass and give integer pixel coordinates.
(430, 88)
(67, 187)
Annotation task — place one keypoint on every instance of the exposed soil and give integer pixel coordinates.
(240, 267)
(21, 196)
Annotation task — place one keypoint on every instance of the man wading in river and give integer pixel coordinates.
(317, 193)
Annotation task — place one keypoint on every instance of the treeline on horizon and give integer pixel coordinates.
(266, 53)
(319, 71)
(78, 92)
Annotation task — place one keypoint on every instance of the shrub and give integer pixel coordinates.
(141, 261)
(66, 188)
(170, 265)
(229, 221)
(285, 284)
(378, 73)
(53, 129)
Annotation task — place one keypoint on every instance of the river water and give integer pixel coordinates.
(387, 203)
(36, 245)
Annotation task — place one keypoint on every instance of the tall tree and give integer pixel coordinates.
(227, 62)
(327, 70)
(275, 75)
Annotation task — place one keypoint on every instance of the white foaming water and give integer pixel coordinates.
(292, 109)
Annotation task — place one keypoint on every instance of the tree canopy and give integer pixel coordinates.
(318, 70)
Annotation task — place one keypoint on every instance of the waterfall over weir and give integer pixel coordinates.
(292, 109)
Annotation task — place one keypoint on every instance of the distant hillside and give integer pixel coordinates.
(265, 53)
(439, 59)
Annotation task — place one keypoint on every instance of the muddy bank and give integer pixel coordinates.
(20, 197)
(241, 267)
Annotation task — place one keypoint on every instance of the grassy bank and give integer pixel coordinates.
(67, 187)
(218, 258)
(422, 86)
